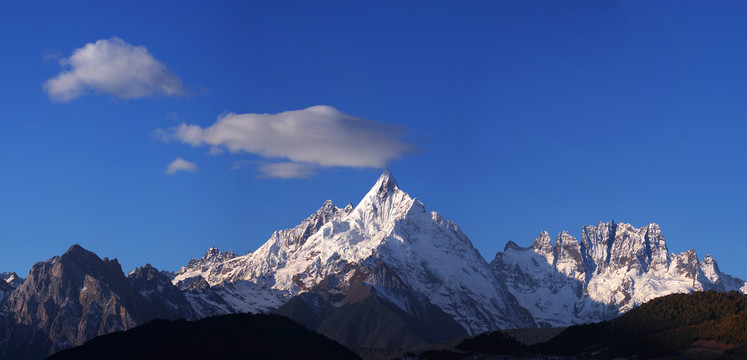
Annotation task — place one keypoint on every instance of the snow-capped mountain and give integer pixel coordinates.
(614, 268)
(383, 274)
(431, 256)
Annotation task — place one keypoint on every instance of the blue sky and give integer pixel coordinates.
(508, 117)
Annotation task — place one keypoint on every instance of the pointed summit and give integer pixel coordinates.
(384, 185)
(384, 203)
(78, 255)
(386, 181)
(543, 246)
(76, 249)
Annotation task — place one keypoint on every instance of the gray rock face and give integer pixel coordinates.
(543, 246)
(75, 297)
(163, 299)
(570, 258)
(5, 290)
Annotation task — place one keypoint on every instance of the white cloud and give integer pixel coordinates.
(318, 136)
(180, 164)
(114, 67)
(286, 170)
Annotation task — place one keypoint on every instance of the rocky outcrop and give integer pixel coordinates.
(12, 279)
(163, 300)
(75, 297)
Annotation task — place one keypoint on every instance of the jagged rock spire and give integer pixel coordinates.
(543, 246)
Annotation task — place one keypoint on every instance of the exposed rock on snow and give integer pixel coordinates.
(614, 268)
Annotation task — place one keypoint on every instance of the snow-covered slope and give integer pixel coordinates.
(614, 268)
(431, 255)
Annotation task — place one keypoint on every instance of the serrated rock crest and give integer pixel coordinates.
(614, 268)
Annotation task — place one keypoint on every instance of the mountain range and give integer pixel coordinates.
(383, 274)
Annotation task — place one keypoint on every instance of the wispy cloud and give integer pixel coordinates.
(114, 67)
(286, 170)
(318, 136)
(180, 164)
(240, 164)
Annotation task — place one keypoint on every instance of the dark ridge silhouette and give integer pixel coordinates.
(494, 342)
(700, 325)
(236, 336)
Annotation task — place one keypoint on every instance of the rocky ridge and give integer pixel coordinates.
(75, 297)
(614, 268)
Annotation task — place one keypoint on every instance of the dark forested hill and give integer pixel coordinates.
(237, 336)
(699, 325)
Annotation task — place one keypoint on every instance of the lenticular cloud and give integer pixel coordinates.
(114, 67)
(319, 135)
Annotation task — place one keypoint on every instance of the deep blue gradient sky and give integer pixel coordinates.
(525, 115)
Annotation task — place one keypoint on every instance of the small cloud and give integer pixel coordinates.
(114, 67)
(318, 136)
(286, 170)
(240, 165)
(180, 164)
(52, 55)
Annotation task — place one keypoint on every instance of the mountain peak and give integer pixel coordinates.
(511, 245)
(384, 186)
(76, 249)
(542, 241)
(386, 181)
(11, 278)
(80, 255)
(215, 255)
